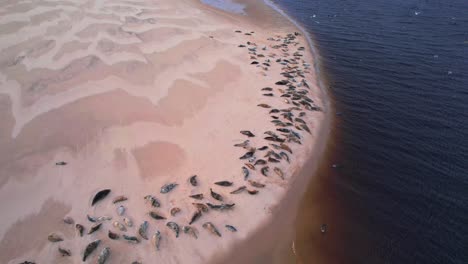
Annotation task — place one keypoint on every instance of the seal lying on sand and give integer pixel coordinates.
(247, 133)
(195, 216)
(231, 228)
(201, 207)
(104, 255)
(193, 180)
(64, 252)
(112, 235)
(131, 239)
(142, 230)
(245, 171)
(238, 190)
(256, 184)
(53, 237)
(210, 227)
(94, 228)
(175, 211)
(153, 201)
(119, 199)
(80, 229)
(223, 183)
(190, 230)
(221, 206)
(197, 196)
(216, 196)
(90, 249)
(156, 240)
(168, 187)
(156, 216)
(174, 227)
(100, 195)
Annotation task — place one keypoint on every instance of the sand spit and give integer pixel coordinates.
(131, 96)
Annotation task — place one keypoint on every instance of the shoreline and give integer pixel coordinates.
(259, 247)
(123, 148)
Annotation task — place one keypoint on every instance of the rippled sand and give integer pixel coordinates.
(132, 95)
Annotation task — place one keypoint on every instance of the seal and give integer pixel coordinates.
(248, 155)
(174, 227)
(190, 230)
(210, 227)
(128, 222)
(168, 187)
(175, 211)
(142, 230)
(156, 216)
(195, 216)
(264, 105)
(156, 240)
(112, 235)
(104, 255)
(91, 219)
(193, 180)
(252, 192)
(256, 184)
(245, 171)
(119, 226)
(120, 210)
(119, 199)
(104, 218)
(68, 220)
(94, 228)
(201, 207)
(243, 144)
(100, 195)
(216, 196)
(238, 190)
(153, 201)
(231, 228)
(263, 148)
(90, 248)
(279, 172)
(223, 183)
(197, 196)
(53, 237)
(247, 133)
(131, 239)
(268, 89)
(64, 252)
(286, 147)
(260, 162)
(250, 166)
(305, 127)
(267, 94)
(265, 170)
(284, 156)
(220, 206)
(80, 229)
(270, 159)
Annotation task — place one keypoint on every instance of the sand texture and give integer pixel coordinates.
(133, 95)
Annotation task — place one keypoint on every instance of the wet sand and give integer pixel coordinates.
(134, 95)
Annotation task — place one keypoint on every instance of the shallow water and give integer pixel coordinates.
(226, 5)
(397, 73)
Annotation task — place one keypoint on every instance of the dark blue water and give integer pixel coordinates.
(398, 72)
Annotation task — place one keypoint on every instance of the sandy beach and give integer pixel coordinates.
(133, 95)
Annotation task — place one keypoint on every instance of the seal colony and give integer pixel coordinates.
(292, 91)
(141, 132)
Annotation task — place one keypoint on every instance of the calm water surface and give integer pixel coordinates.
(398, 73)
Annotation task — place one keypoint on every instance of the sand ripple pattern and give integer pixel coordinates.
(55, 52)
